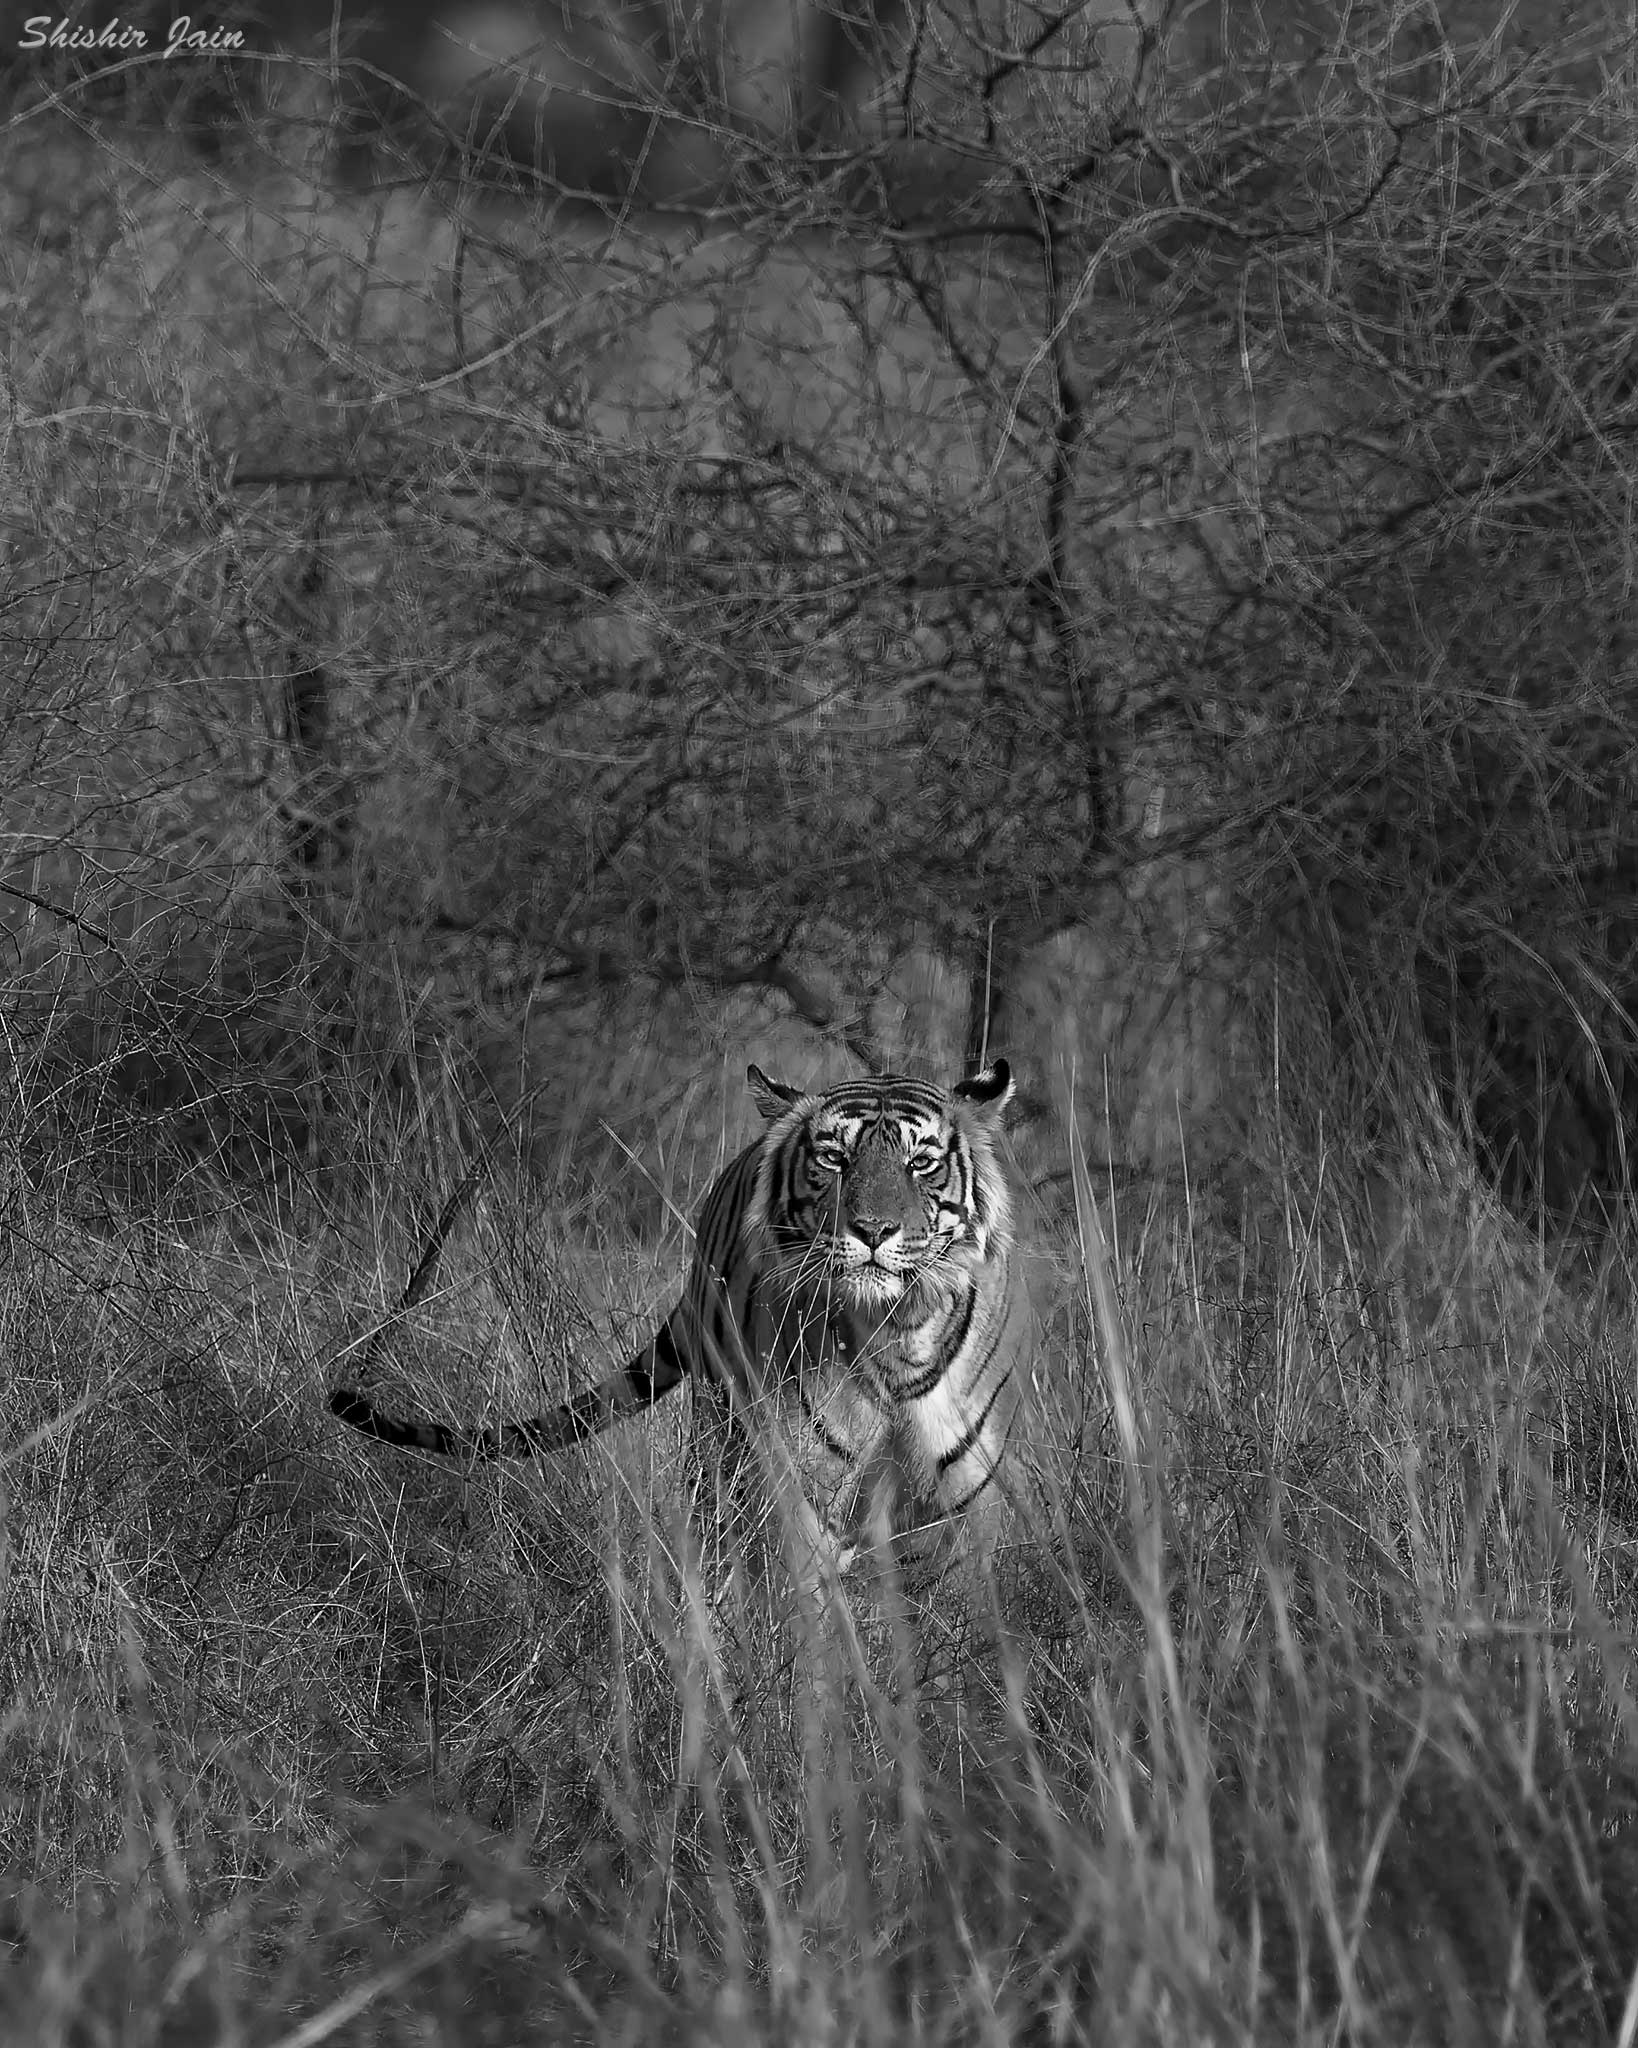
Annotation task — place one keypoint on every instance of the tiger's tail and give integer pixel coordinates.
(660, 1366)
(656, 1370)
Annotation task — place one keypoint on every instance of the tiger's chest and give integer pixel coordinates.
(849, 1390)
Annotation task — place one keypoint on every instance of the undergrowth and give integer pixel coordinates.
(1308, 1716)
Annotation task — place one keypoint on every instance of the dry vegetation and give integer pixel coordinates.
(468, 679)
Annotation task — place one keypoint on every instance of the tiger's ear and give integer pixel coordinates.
(989, 1090)
(773, 1098)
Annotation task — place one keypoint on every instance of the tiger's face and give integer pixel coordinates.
(882, 1183)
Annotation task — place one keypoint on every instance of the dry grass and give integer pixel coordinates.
(1310, 1720)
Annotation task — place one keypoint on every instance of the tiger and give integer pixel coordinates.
(855, 1315)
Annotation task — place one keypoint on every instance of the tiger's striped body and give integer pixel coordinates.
(854, 1321)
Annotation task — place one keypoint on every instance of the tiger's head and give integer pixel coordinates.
(882, 1184)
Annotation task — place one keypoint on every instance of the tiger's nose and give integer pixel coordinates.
(872, 1231)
